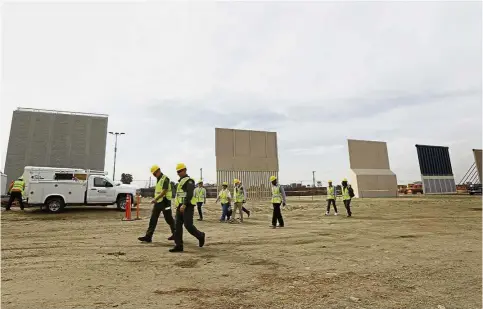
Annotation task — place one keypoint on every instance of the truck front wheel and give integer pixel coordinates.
(121, 202)
(55, 204)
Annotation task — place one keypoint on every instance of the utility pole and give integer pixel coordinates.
(313, 184)
(116, 134)
(201, 173)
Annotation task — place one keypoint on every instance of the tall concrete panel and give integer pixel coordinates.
(56, 139)
(478, 158)
(371, 175)
(251, 156)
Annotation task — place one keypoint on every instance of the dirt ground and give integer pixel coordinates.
(420, 252)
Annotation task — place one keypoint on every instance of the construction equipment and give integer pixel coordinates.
(412, 188)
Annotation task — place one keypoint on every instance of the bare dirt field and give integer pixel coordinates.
(410, 252)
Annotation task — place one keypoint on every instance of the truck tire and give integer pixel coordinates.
(121, 202)
(55, 204)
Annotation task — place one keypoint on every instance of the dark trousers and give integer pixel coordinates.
(277, 215)
(164, 207)
(185, 218)
(347, 204)
(328, 205)
(245, 210)
(200, 211)
(15, 195)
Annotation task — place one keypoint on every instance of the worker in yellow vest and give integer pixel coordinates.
(331, 196)
(239, 196)
(186, 202)
(200, 194)
(346, 197)
(16, 192)
(162, 203)
(225, 198)
(278, 199)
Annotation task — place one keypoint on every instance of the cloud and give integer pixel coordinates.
(317, 73)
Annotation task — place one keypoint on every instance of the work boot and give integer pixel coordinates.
(201, 240)
(176, 249)
(145, 239)
(335, 214)
(6, 209)
(171, 237)
(248, 213)
(326, 213)
(273, 226)
(200, 219)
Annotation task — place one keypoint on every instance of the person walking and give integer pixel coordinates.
(331, 196)
(346, 197)
(200, 194)
(239, 196)
(225, 198)
(186, 202)
(16, 193)
(162, 203)
(278, 199)
(243, 207)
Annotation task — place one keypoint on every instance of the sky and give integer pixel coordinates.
(317, 73)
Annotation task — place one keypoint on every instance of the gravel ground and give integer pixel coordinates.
(410, 252)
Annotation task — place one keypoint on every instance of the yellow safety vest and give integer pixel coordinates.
(276, 194)
(331, 193)
(239, 194)
(180, 194)
(224, 196)
(18, 186)
(345, 193)
(200, 194)
(159, 188)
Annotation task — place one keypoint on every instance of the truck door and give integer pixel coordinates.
(99, 190)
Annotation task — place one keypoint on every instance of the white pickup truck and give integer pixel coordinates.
(56, 188)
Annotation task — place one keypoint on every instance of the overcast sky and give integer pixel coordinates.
(317, 73)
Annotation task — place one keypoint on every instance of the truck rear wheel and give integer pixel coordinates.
(55, 204)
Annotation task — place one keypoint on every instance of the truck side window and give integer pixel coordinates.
(99, 182)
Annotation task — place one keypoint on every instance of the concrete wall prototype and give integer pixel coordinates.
(478, 154)
(371, 175)
(55, 139)
(251, 156)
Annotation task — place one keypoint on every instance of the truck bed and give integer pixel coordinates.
(72, 192)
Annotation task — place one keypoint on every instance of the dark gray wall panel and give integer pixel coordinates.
(56, 139)
(434, 160)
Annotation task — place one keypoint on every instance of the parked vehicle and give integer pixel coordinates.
(474, 189)
(56, 188)
(412, 189)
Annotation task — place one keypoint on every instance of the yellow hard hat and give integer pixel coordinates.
(236, 180)
(20, 178)
(200, 181)
(330, 181)
(272, 178)
(225, 183)
(154, 168)
(180, 166)
(345, 179)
